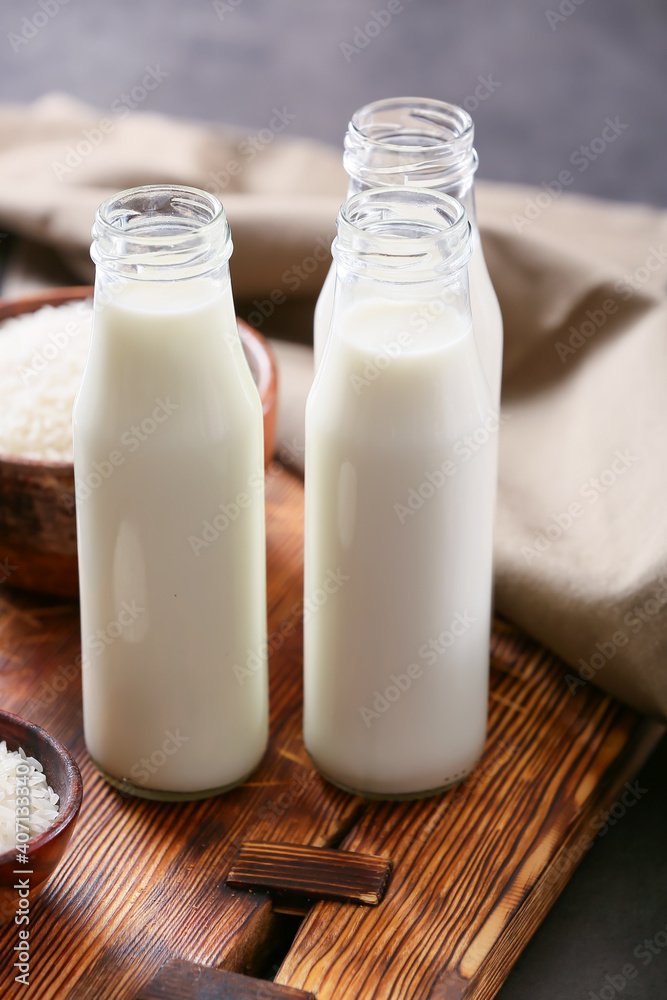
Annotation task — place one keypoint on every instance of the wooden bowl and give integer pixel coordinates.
(47, 848)
(37, 508)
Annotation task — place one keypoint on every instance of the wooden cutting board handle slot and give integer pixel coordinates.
(178, 980)
(296, 875)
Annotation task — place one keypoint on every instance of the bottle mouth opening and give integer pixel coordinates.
(411, 231)
(161, 225)
(411, 123)
(429, 141)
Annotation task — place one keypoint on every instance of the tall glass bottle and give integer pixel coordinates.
(401, 441)
(422, 142)
(168, 461)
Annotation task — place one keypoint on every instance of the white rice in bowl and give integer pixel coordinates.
(43, 807)
(42, 357)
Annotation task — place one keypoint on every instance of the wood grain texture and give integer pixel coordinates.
(313, 872)
(475, 869)
(180, 980)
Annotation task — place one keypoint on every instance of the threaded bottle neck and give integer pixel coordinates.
(161, 232)
(403, 234)
(410, 140)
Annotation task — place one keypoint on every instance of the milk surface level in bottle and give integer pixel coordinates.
(169, 493)
(401, 449)
(427, 143)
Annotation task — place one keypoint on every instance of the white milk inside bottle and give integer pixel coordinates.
(169, 492)
(401, 443)
(429, 143)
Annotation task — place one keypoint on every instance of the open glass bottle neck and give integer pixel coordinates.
(161, 232)
(403, 234)
(461, 189)
(419, 142)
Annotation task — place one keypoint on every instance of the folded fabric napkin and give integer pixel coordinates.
(581, 538)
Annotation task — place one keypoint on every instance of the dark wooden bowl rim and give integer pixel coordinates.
(70, 802)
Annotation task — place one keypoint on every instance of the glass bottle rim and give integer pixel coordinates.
(412, 231)
(428, 140)
(160, 226)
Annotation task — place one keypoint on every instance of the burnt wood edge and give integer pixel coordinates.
(496, 966)
(180, 980)
(299, 875)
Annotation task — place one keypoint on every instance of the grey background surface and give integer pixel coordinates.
(555, 78)
(555, 81)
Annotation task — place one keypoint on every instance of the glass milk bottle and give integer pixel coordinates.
(428, 143)
(168, 461)
(401, 441)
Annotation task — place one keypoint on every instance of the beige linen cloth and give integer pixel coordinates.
(581, 538)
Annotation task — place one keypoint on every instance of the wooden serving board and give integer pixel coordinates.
(474, 869)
